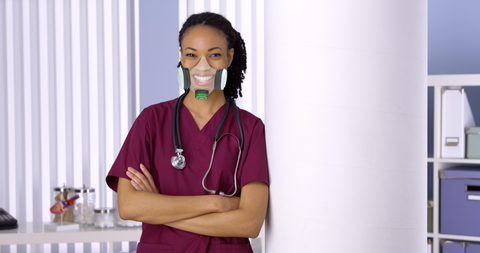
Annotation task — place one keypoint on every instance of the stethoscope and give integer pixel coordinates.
(178, 161)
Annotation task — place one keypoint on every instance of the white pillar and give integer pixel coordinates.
(346, 90)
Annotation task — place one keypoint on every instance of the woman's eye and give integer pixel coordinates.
(190, 55)
(215, 55)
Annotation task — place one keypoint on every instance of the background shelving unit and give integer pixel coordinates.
(438, 82)
(33, 233)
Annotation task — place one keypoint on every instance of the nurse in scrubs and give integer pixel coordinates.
(181, 209)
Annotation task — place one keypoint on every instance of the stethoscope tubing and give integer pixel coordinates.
(240, 128)
(176, 122)
(210, 167)
(179, 148)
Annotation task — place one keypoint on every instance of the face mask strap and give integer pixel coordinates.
(220, 79)
(184, 77)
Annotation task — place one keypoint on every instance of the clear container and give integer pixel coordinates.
(63, 193)
(128, 223)
(104, 217)
(84, 205)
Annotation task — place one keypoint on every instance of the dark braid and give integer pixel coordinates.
(236, 71)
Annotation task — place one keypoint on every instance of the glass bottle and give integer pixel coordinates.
(104, 217)
(84, 206)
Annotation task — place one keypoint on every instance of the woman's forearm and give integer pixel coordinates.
(160, 209)
(236, 223)
(243, 222)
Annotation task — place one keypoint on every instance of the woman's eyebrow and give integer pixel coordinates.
(211, 49)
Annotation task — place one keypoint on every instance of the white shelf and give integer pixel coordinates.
(438, 82)
(34, 233)
(459, 237)
(454, 237)
(453, 80)
(454, 160)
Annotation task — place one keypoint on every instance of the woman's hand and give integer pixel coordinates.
(142, 182)
(228, 203)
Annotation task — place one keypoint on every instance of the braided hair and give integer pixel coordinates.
(236, 71)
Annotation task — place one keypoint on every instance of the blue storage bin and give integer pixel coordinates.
(453, 247)
(460, 201)
(472, 248)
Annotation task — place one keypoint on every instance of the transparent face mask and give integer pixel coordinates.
(202, 79)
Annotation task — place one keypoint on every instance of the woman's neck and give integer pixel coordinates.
(202, 111)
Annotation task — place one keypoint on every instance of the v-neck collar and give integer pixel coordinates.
(198, 137)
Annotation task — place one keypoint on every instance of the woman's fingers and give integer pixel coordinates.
(149, 178)
(136, 186)
(142, 181)
(137, 179)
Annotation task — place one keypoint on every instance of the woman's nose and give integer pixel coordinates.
(203, 64)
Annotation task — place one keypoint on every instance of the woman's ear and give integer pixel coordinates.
(230, 56)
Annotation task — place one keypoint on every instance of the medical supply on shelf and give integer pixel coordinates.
(473, 142)
(104, 217)
(62, 193)
(128, 223)
(62, 206)
(84, 206)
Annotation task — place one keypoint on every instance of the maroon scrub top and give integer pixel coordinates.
(150, 142)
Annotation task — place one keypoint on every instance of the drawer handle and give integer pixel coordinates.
(472, 188)
(452, 141)
(473, 197)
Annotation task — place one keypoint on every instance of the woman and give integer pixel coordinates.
(177, 207)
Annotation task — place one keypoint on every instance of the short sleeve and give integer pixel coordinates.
(255, 167)
(135, 150)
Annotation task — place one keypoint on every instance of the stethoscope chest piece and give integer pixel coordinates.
(178, 161)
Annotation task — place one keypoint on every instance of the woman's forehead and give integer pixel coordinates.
(203, 37)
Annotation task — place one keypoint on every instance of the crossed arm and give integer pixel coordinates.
(210, 215)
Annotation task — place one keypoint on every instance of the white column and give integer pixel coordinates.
(346, 125)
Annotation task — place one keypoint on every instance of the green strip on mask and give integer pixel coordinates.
(201, 95)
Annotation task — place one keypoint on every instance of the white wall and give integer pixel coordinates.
(453, 37)
(346, 125)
